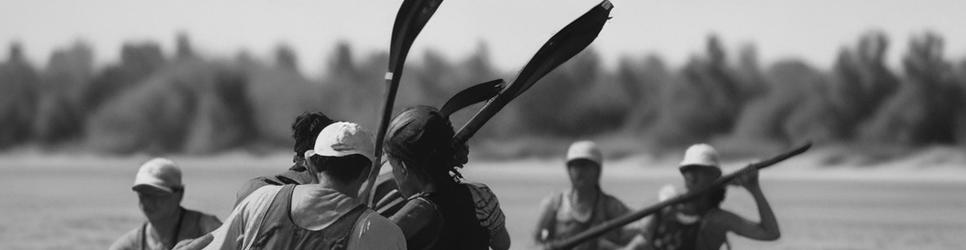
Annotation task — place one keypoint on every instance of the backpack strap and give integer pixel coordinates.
(551, 227)
(346, 224)
(277, 212)
(143, 236)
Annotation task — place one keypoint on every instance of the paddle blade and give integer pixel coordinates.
(410, 20)
(569, 41)
(472, 95)
(412, 16)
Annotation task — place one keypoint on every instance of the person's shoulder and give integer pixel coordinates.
(208, 222)
(260, 198)
(249, 186)
(610, 198)
(202, 215)
(614, 206)
(721, 214)
(553, 199)
(421, 205)
(265, 191)
(720, 218)
(290, 176)
(128, 240)
(613, 200)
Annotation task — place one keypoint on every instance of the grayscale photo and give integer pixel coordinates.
(499, 124)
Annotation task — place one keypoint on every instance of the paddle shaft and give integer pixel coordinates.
(488, 111)
(601, 229)
(412, 16)
(380, 136)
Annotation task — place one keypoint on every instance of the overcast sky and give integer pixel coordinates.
(514, 29)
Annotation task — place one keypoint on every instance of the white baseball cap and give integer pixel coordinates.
(159, 173)
(585, 150)
(700, 156)
(343, 139)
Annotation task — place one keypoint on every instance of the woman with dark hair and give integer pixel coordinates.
(441, 211)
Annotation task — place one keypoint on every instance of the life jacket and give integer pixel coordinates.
(565, 229)
(278, 231)
(187, 227)
(461, 228)
(421, 222)
(669, 233)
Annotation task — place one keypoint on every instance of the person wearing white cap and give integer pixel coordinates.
(583, 205)
(701, 223)
(326, 215)
(159, 189)
(305, 129)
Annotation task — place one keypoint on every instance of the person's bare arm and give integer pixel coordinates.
(544, 221)
(767, 229)
(644, 227)
(621, 236)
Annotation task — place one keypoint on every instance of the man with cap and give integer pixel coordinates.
(159, 189)
(583, 205)
(326, 215)
(304, 131)
(701, 223)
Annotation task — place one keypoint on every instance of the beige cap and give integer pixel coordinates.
(700, 156)
(159, 173)
(585, 150)
(343, 139)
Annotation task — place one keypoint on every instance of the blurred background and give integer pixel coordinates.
(120, 77)
(874, 84)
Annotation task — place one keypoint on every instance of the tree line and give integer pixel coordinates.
(183, 102)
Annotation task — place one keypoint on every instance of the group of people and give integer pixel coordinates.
(316, 203)
(699, 223)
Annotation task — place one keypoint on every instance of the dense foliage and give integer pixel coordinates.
(150, 101)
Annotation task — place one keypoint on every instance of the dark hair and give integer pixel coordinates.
(305, 129)
(342, 169)
(422, 137)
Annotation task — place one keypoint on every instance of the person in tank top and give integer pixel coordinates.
(441, 211)
(701, 224)
(583, 205)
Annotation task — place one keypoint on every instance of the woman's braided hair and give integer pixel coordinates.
(422, 137)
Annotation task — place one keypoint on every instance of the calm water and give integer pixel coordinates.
(87, 207)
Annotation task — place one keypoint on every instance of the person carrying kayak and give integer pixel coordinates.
(701, 224)
(583, 205)
(159, 189)
(441, 211)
